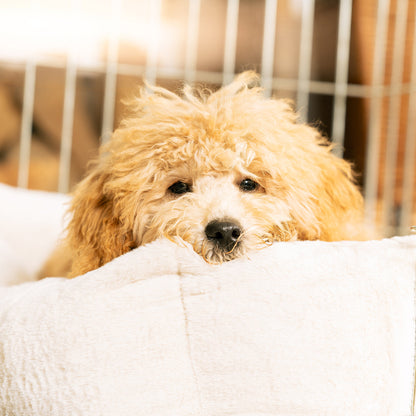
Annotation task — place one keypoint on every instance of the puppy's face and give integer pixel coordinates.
(223, 188)
(223, 213)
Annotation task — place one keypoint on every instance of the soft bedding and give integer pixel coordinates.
(302, 328)
(31, 223)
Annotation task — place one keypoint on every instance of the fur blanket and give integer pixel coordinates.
(303, 328)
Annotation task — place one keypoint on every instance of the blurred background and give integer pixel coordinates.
(349, 67)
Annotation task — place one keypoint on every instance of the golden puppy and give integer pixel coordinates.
(227, 172)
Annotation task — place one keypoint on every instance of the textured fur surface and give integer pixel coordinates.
(211, 142)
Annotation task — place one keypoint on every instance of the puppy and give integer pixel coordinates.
(227, 172)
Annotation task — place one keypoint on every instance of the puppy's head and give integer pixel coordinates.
(227, 172)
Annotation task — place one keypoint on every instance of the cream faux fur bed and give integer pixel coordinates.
(304, 328)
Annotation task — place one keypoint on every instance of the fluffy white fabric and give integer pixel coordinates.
(30, 225)
(305, 328)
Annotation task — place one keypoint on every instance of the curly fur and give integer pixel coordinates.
(212, 142)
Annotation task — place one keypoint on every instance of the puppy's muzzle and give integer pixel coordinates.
(224, 234)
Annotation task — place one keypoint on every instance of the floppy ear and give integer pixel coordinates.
(95, 234)
(335, 201)
(338, 203)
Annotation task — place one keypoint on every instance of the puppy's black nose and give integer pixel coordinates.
(224, 233)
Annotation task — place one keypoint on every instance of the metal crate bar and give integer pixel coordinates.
(110, 88)
(154, 10)
(230, 46)
(215, 77)
(410, 150)
(305, 58)
(394, 116)
(373, 137)
(68, 111)
(26, 124)
(341, 76)
(269, 33)
(67, 127)
(192, 40)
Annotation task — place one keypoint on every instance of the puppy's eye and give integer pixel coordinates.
(179, 188)
(248, 185)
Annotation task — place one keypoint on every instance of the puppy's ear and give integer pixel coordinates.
(336, 201)
(339, 203)
(95, 234)
(325, 202)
